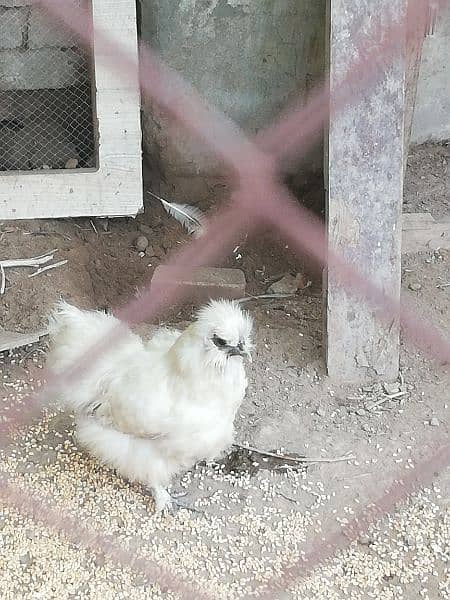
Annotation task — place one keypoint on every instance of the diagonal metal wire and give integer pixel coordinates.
(254, 169)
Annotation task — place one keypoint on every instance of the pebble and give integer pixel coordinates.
(391, 387)
(434, 422)
(415, 287)
(321, 411)
(141, 243)
(26, 559)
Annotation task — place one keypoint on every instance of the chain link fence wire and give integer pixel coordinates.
(258, 199)
(46, 85)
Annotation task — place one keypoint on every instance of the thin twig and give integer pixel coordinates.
(28, 262)
(385, 398)
(443, 285)
(378, 402)
(93, 226)
(29, 353)
(3, 283)
(287, 498)
(265, 297)
(48, 267)
(304, 459)
(397, 394)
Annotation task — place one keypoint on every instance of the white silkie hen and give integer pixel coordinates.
(151, 409)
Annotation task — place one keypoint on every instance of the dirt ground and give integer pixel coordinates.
(268, 517)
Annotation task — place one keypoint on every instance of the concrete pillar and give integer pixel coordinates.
(365, 188)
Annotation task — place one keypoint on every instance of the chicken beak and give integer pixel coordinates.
(237, 351)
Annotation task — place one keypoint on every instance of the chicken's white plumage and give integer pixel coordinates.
(151, 409)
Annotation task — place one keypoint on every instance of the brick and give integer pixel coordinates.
(12, 26)
(46, 68)
(204, 283)
(44, 32)
(16, 3)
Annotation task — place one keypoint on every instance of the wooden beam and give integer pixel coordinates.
(422, 232)
(364, 165)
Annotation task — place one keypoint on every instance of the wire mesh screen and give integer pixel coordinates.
(46, 100)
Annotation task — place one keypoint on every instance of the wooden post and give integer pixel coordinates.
(364, 166)
(415, 32)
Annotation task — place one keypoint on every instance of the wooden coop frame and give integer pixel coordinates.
(114, 187)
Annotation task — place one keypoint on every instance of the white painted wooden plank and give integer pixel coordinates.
(115, 189)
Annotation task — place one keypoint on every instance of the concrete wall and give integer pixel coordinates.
(35, 53)
(432, 112)
(249, 58)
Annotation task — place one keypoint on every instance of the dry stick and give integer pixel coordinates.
(35, 261)
(319, 459)
(385, 398)
(378, 403)
(264, 297)
(3, 284)
(48, 267)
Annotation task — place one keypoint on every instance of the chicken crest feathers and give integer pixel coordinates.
(225, 316)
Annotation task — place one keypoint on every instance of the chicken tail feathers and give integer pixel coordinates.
(72, 333)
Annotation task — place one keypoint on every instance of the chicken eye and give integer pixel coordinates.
(218, 341)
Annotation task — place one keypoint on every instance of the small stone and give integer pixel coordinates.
(287, 284)
(415, 287)
(321, 411)
(391, 387)
(361, 412)
(26, 559)
(72, 163)
(434, 422)
(141, 243)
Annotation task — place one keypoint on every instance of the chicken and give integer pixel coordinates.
(151, 409)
